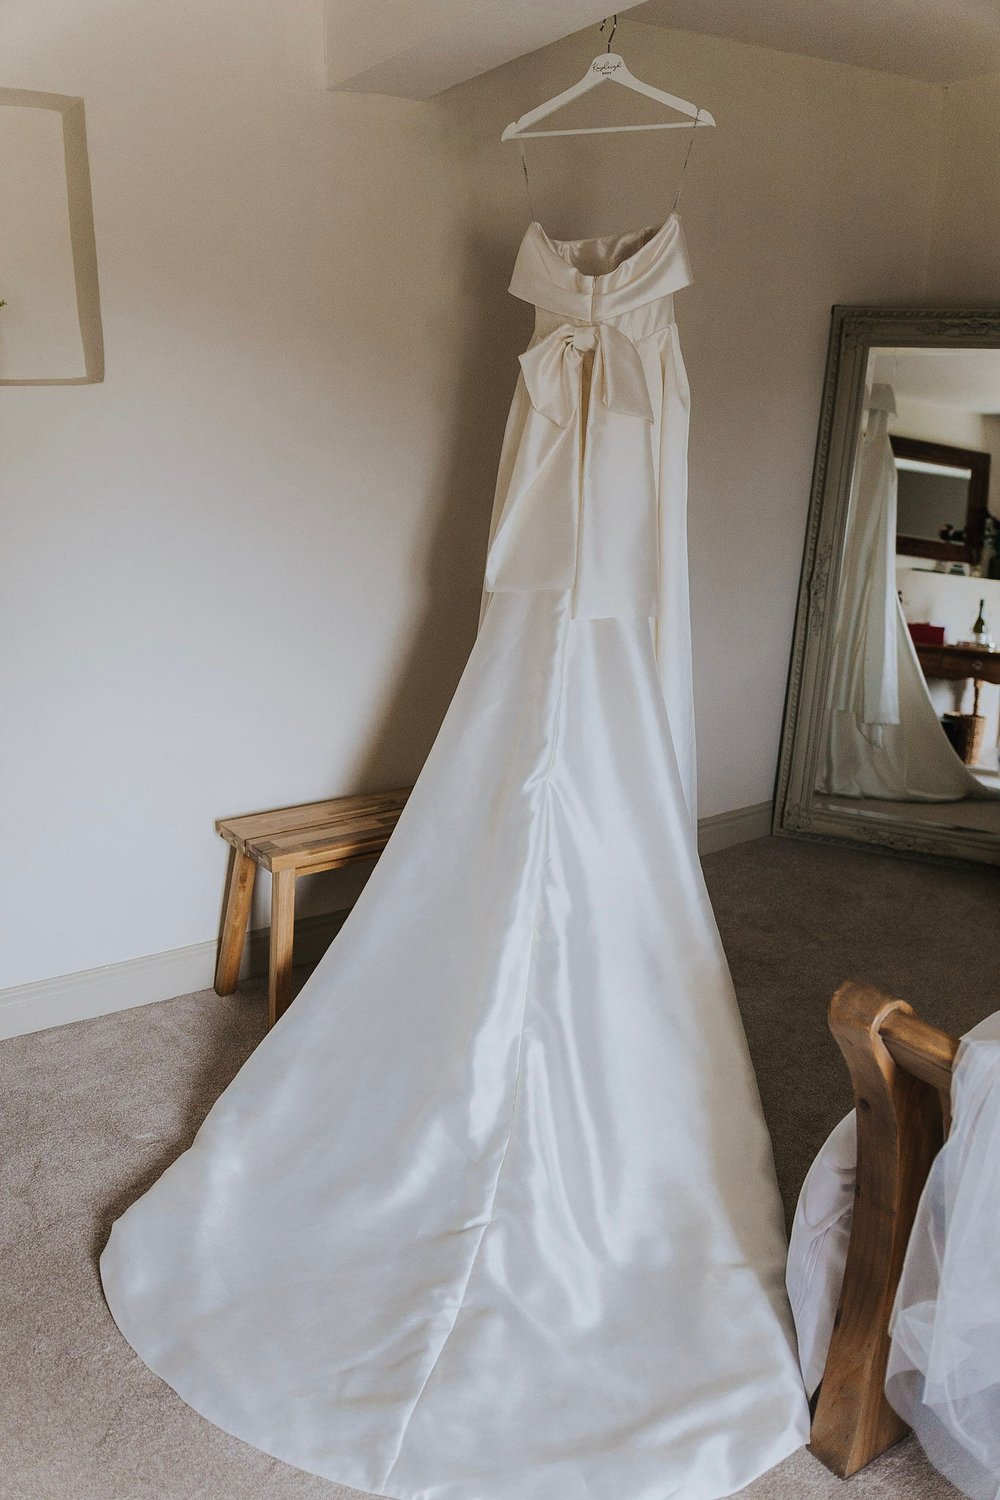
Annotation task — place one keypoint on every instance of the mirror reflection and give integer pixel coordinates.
(912, 718)
(942, 496)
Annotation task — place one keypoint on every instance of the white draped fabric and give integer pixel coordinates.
(817, 1246)
(491, 1212)
(943, 1375)
(883, 737)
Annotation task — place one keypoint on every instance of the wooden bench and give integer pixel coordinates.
(292, 841)
(900, 1068)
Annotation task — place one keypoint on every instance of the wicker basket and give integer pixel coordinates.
(966, 733)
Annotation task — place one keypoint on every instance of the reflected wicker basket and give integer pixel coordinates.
(966, 733)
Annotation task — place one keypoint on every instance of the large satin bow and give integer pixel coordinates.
(551, 372)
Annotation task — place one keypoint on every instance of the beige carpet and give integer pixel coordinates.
(92, 1113)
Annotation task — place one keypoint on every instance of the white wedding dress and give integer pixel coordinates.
(491, 1213)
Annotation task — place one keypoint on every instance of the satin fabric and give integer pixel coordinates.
(943, 1374)
(491, 1212)
(883, 738)
(591, 492)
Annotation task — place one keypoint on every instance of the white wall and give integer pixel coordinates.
(243, 570)
(964, 264)
(939, 424)
(816, 188)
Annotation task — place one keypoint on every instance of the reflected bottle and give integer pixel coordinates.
(979, 628)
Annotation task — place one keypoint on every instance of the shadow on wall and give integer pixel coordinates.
(50, 330)
(455, 553)
(446, 584)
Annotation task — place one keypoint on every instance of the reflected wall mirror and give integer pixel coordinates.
(942, 499)
(892, 717)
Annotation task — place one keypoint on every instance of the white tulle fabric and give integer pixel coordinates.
(883, 738)
(491, 1213)
(943, 1375)
(817, 1246)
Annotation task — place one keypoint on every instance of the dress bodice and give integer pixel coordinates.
(579, 478)
(548, 274)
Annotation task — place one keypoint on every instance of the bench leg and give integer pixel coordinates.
(279, 990)
(236, 917)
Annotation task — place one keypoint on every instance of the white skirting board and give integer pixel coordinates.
(740, 826)
(181, 971)
(141, 981)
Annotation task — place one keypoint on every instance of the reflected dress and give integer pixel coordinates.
(883, 738)
(491, 1213)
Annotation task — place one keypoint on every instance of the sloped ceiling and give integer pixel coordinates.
(940, 41)
(417, 48)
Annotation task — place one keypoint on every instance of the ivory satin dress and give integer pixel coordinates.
(491, 1213)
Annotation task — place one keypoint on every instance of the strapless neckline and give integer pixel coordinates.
(650, 237)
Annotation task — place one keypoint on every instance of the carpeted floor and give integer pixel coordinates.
(93, 1112)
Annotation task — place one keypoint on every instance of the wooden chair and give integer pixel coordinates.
(901, 1072)
(292, 841)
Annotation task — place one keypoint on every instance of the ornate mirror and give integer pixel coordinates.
(892, 717)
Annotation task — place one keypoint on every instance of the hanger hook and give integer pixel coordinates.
(614, 28)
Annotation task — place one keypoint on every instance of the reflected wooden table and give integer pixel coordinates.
(957, 663)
